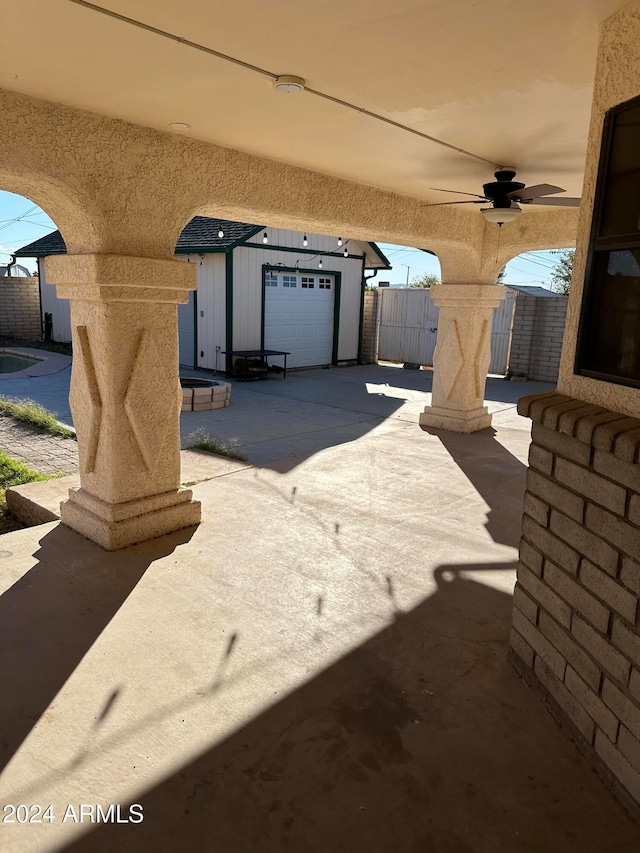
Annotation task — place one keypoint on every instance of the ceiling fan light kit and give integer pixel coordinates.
(501, 215)
(505, 195)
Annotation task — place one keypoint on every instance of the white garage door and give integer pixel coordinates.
(298, 316)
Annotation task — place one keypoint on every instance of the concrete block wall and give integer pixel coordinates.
(370, 328)
(575, 632)
(20, 308)
(536, 342)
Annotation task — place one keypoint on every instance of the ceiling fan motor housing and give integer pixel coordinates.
(498, 190)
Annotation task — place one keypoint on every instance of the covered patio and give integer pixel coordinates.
(320, 665)
(311, 654)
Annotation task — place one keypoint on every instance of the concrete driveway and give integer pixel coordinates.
(319, 666)
(311, 410)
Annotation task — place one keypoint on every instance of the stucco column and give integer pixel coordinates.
(125, 395)
(462, 356)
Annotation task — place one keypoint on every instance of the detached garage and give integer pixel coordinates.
(258, 288)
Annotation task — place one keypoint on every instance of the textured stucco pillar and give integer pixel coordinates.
(125, 395)
(462, 356)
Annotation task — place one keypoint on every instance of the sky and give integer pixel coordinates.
(409, 264)
(32, 222)
(22, 222)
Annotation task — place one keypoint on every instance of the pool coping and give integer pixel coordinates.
(48, 362)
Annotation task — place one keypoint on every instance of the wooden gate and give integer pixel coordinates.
(408, 325)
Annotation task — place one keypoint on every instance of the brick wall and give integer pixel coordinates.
(575, 633)
(536, 342)
(20, 307)
(370, 328)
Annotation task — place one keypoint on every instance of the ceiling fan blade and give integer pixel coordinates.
(475, 195)
(535, 191)
(556, 202)
(441, 203)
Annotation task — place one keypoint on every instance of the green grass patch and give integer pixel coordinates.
(201, 440)
(34, 415)
(14, 473)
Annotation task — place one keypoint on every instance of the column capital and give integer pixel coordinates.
(465, 295)
(120, 278)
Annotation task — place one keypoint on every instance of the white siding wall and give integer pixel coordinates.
(247, 305)
(247, 309)
(50, 304)
(211, 309)
(247, 296)
(293, 239)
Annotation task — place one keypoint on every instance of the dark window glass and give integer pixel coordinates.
(621, 207)
(609, 341)
(612, 330)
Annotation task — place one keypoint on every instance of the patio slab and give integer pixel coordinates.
(39, 502)
(320, 665)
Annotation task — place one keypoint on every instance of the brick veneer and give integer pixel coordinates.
(20, 307)
(370, 328)
(575, 633)
(536, 342)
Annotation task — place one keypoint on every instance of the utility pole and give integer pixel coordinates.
(408, 271)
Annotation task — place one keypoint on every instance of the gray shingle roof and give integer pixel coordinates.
(534, 290)
(50, 244)
(201, 234)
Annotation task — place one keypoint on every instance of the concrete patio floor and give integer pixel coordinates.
(319, 666)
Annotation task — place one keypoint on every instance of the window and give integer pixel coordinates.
(308, 282)
(289, 281)
(271, 279)
(609, 338)
(324, 283)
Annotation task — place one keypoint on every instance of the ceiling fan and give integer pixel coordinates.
(506, 195)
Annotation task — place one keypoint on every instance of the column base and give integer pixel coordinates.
(454, 420)
(115, 526)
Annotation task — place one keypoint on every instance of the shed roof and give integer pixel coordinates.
(200, 235)
(534, 290)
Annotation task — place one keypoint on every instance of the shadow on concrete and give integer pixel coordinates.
(421, 740)
(496, 474)
(280, 423)
(53, 614)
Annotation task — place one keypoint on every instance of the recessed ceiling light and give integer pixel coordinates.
(179, 125)
(288, 84)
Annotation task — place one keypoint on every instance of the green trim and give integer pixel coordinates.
(336, 301)
(195, 327)
(218, 250)
(264, 296)
(305, 270)
(229, 308)
(336, 318)
(363, 285)
(314, 252)
(202, 250)
(242, 241)
(382, 257)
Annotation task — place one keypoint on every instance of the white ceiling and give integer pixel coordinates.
(509, 80)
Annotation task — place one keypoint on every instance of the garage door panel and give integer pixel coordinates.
(299, 319)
